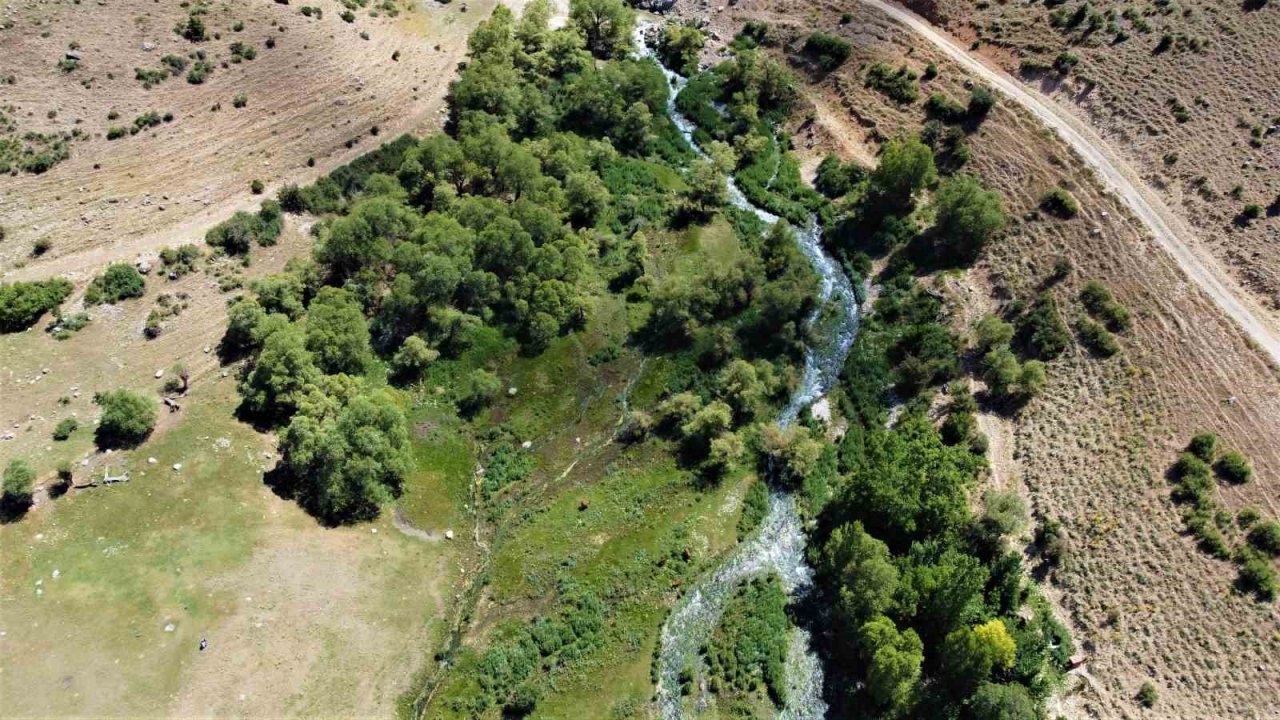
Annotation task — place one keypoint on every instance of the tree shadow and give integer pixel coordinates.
(13, 508)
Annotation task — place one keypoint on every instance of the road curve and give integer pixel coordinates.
(1170, 231)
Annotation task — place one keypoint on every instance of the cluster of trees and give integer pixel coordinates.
(236, 235)
(748, 650)
(22, 303)
(1211, 525)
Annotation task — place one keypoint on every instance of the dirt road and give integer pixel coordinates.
(1170, 231)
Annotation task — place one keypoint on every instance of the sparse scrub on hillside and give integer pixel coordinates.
(1100, 303)
(1096, 338)
(1042, 330)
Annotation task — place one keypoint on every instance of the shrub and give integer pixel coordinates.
(1147, 695)
(235, 235)
(1265, 537)
(41, 246)
(1065, 62)
(1060, 203)
(1096, 338)
(981, 100)
(127, 418)
(1257, 577)
(1099, 302)
(899, 85)
(256, 187)
(116, 132)
(1204, 446)
(120, 281)
(347, 16)
(829, 51)
(680, 46)
(944, 108)
(835, 179)
(64, 428)
(476, 391)
(22, 303)
(413, 357)
(1233, 468)
(240, 100)
(1042, 329)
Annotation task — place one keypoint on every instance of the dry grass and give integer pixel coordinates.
(321, 86)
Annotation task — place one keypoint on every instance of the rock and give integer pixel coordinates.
(72, 55)
(159, 374)
(448, 534)
(143, 266)
(57, 574)
(151, 461)
(170, 627)
(177, 467)
(148, 47)
(583, 504)
(526, 444)
(511, 391)
(44, 371)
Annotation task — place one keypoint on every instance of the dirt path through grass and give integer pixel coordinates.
(1171, 232)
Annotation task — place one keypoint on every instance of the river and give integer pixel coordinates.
(778, 546)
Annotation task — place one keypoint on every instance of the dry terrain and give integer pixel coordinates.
(1146, 604)
(1218, 64)
(317, 94)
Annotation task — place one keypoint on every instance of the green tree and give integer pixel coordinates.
(893, 665)
(476, 390)
(680, 46)
(1265, 536)
(991, 332)
(413, 357)
(19, 477)
(1002, 701)
(337, 332)
(972, 653)
(127, 418)
(587, 197)
(283, 374)
(120, 281)
(905, 169)
(967, 217)
(605, 24)
(707, 188)
(863, 570)
(348, 463)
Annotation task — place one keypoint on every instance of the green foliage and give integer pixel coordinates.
(1060, 203)
(1099, 302)
(236, 235)
(413, 358)
(755, 505)
(120, 281)
(1234, 468)
(337, 332)
(898, 85)
(1096, 338)
(1265, 536)
(347, 461)
(19, 477)
(1042, 329)
(835, 179)
(967, 217)
(279, 381)
(829, 51)
(680, 47)
(1147, 695)
(893, 661)
(749, 646)
(127, 418)
(1257, 577)
(476, 390)
(64, 428)
(22, 303)
(1003, 701)
(905, 169)
(605, 25)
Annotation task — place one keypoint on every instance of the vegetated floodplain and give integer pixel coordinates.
(547, 335)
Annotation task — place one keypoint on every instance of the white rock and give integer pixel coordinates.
(159, 374)
(526, 444)
(512, 391)
(57, 574)
(177, 467)
(448, 534)
(170, 627)
(151, 461)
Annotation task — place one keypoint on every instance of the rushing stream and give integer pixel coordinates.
(778, 545)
